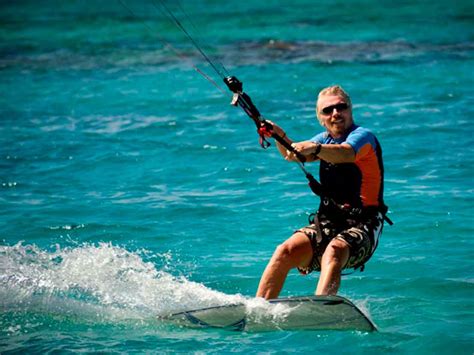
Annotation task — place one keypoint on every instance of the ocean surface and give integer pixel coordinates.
(130, 188)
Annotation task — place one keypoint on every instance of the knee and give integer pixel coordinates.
(283, 252)
(336, 252)
(293, 251)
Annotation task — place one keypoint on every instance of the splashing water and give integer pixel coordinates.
(103, 281)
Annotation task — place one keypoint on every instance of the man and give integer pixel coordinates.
(345, 231)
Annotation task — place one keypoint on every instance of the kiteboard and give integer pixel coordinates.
(294, 313)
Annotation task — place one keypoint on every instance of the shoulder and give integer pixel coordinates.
(361, 132)
(359, 137)
(320, 138)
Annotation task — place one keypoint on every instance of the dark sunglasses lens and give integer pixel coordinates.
(339, 107)
(327, 110)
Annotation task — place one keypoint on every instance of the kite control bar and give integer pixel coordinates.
(264, 128)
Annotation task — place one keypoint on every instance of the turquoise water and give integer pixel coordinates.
(130, 188)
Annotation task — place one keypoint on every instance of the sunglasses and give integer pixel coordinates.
(339, 107)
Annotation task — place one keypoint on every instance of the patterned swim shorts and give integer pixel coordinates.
(361, 235)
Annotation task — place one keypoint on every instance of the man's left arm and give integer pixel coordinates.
(332, 153)
(346, 152)
(355, 147)
(337, 153)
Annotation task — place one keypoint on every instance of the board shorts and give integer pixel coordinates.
(361, 235)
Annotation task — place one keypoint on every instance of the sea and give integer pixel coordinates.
(130, 188)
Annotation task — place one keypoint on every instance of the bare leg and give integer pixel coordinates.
(334, 258)
(295, 251)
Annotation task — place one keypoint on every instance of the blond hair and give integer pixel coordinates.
(335, 90)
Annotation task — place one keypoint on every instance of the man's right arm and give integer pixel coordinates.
(306, 148)
(276, 129)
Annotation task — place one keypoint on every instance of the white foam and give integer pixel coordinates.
(262, 311)
(103, 280)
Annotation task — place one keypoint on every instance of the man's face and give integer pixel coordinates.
(335, 114)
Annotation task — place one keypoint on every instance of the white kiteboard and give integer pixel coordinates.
(294, 313)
